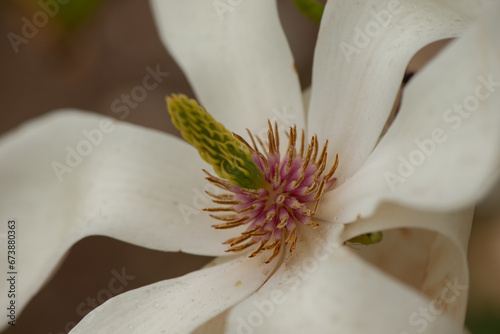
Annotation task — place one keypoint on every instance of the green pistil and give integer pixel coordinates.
(230, 159)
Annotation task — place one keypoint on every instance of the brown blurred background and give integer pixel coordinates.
(87, 57)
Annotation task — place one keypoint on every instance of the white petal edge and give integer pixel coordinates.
(179, 305)
(236, 58)
(489, 204)
(136, 185)
(214, 325)
(327, 288)
(356, 79)
(450, 172)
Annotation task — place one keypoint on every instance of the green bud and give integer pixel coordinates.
(366, 239)
(310, 8)
(230, 158)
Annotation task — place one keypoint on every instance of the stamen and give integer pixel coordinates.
(322, 156)
(228, 218)
(312, 224)
(241, 247)
(250, 192)
(310, 149)
(278, 206)
(229, 225)
(232, 224)
(269, 217)
(302, 139)
(219, 209)
(258, 227)
(261, 246)
(277, 137)
(296, 183)
(248, 208)
(255, 148)
(276, 178)
(271, 246)
(237, 240)
(283, 222)
(315, 153)
(277, 249)
(333, 169)
(291, 148)
(311, 189)
(226, 201)
(294, 244)
(243, 141)
(217, 181)
(280, 199)
(266, 152)
(291, 235)
(260, 234)
(319, 193)
(219, 196)
(320, 170)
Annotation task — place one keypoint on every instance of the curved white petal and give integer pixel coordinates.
(362, 52)
(237, 59)
(136, 185)
(179, 305)
(425, 261)
(443, 146)
(326, 288)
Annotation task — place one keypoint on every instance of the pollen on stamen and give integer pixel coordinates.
(294, 186)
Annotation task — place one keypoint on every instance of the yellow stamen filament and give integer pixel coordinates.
(261, 246)
(241, 247)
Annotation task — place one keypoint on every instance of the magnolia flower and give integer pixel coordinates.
(418, 183)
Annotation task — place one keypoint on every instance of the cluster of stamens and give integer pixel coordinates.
(294, 186)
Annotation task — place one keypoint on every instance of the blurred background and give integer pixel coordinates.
(85, 57)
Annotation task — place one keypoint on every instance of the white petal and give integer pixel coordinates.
(424, 260)
(179, 305)
(132, 186)
(432, 157)
(356, 79)
(237, 59)
(327, 288)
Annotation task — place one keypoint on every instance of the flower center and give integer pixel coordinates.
(293, 188)
(269, 193)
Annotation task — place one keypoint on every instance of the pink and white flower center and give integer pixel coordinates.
(294, 186)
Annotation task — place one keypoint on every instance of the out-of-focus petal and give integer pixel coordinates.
(337, 291)
(179, 305)
(237, 59)
(69, 175)
(443, 146)
(362, 52)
